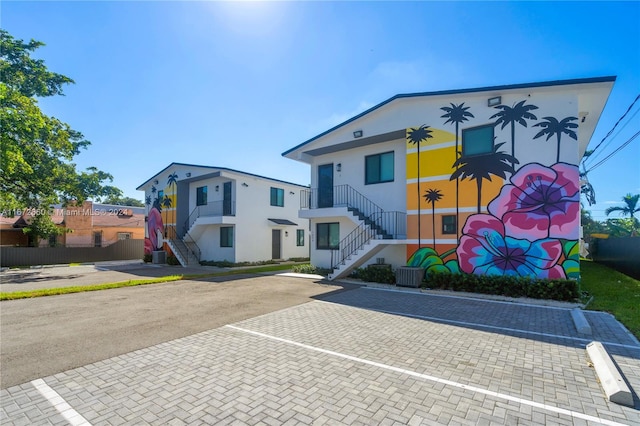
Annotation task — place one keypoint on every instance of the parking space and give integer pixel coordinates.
(357, 357)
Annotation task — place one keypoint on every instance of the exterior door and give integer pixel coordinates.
(276, 252)
(325, 185)
(226, 200)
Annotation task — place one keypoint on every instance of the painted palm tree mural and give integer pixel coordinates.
(166, 203)
(553, 127)
(417, 136)
(519, 114)
(433, 196)
(481, 167)
(147, 200)
(457, 114)
(173, 179)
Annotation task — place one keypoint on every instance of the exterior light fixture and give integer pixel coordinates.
(583, 116)
(217, 188)
(357, 134)
(155, 181)
(188, 174)
(492, 102)
(339, 167)
(245, 184)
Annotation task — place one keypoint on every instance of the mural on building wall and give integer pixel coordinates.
(161, 214)
(518, 219)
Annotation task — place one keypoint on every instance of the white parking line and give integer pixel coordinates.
(572, 414)
(54, 398)
(514, 330)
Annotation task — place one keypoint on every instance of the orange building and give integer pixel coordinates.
(89, 225)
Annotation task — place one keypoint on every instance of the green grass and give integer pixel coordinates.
(612, 292)
(132, 283)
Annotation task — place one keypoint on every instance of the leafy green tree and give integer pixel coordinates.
(457, 114)
(479, 167)
(36, 168)
(552, 127)
(417, 136)
(432, 196)
(40, 227)
(125, 201)
(519, 113)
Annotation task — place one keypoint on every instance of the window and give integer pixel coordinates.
(277, 197)
(328, 236)
(449, 224)
(160, 195)
(226, 236)
(124, 235)
(300, 237)
(201, 196)
(53, 240)
(97, 239)
(477, 140)
(378, 168)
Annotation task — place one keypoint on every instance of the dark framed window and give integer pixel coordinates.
(201, 196)
(449, 224)
(277, 197)
(300, 237)
(226, 236)
(160, 195)
(477, 140)
(378, 168)
(328, 236)
(53, 240)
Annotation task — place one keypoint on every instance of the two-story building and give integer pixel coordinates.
(482, 180)
(206, 213)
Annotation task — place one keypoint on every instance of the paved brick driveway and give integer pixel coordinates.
(358, 357)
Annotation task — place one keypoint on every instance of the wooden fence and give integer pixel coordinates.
(621, 254)
(29, 256)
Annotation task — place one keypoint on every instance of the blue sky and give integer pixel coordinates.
(234, 84)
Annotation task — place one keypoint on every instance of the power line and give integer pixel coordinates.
(613, 152)
(616, 125)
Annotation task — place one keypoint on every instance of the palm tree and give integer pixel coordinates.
(456, 114)
(481, 167)
(173, 179)
(147, 200)
(519, 113)
(630, 208)
(166, 203)
(554, 127)
(433, 195)
(417, 136)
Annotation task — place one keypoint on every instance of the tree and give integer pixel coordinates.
(456, 114)
(41, 226)
(432, 196)
(552, 127)
(520, 113)
(417, 136)
(630, 208)
(479, 167)
(36, 151)
(125, 201)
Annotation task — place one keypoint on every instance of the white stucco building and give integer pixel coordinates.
(412, 179)
(206, 213)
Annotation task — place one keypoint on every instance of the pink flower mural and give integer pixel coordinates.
(154, 224)
(541, 202)
(485, 248)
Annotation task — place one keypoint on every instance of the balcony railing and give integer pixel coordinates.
(338, 196)
(212, 209)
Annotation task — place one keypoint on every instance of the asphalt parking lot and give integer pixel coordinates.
(341, 355)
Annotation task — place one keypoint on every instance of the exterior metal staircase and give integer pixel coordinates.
(185, 249)
(374, 233)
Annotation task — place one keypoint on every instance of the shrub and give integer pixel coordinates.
(376, 274)
(304, 269)
(147, 258)
(172, 260)
(227, 264)
(557, 289)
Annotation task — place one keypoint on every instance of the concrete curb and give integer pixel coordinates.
(581, 323)
(610, 378)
